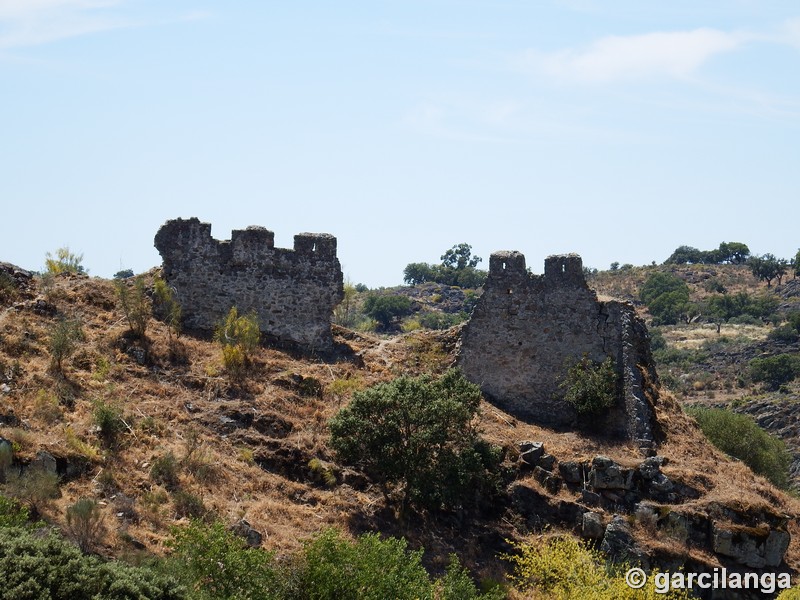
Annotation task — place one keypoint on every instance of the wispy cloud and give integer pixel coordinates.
(676, 54)
(34, 22)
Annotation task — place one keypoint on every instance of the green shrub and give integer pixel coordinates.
(165, 471)
(64, 261)
(740, 436)
(416, 436)
(666, 296)
(12, 514)
(8, 287)
(369, 568)
(216, 564)
(188, 505)
(167, 306)
(46, 407)
(776, 370)
(240, 337)
(35, 487)
(85, 523)
(41, 564)
(135, 304)
(386, 309)
(589, 387)
(64, 338)
(109, 421)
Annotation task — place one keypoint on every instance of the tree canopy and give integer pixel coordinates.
(417, 438)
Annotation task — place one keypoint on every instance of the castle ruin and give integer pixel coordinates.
(526, 330)
(293, 291)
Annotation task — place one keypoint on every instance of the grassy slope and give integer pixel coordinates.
(180, 401)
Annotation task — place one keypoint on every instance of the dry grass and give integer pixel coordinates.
(177, 400)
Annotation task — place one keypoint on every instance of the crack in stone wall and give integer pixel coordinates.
(293, 291)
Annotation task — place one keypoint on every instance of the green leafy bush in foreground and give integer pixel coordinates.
(740, 436)
(39, 565)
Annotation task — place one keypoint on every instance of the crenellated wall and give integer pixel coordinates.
(527, 329)
(293, 291)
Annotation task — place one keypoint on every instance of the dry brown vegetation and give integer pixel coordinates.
(245, 449)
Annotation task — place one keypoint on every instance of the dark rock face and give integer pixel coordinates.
(527, 329)
(293, 292)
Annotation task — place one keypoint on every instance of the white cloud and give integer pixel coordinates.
(651, 55)
(34, 22)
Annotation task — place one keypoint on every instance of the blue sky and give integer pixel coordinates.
(616, 129)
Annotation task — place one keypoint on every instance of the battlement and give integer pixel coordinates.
(564, 268)
(506, 262)
(293, 291)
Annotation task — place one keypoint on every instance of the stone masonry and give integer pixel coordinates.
(293, 292)
(526, 330)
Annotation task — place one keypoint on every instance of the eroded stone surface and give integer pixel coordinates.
(527, 329)
(293, 291)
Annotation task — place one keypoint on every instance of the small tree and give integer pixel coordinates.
(64, 261)
(135, 304)
(168, 306)
(85, 523)
(386, 309)
(64, 338)
(35, 487)
(345, 313)
(590, 387)
(767, 267)
(417, 438)
(776, 370)
(240, 337)
(666, 296)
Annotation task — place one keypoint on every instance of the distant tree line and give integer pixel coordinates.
(734, 253)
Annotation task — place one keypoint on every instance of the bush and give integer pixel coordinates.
(39, 564)
(415, 436)
(85, 523)
(562, 568)
(776, 370)
(370, 568)
(35, 487)
(386, 309)
(240, 337)
(188, 505)
(215, 563)
(589, 387)
(64, 338)
(666, 296)
(167, 306)
(135, 304)
(740, 436)
(12, 514)
(109, 421)
(64, 261)
(165, 471)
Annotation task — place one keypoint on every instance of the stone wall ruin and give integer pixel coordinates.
(527, 329)
(293, 291)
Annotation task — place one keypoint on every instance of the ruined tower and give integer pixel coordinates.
(293, 291)
(527, 329)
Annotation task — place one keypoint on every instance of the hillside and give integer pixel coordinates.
(258, 449)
